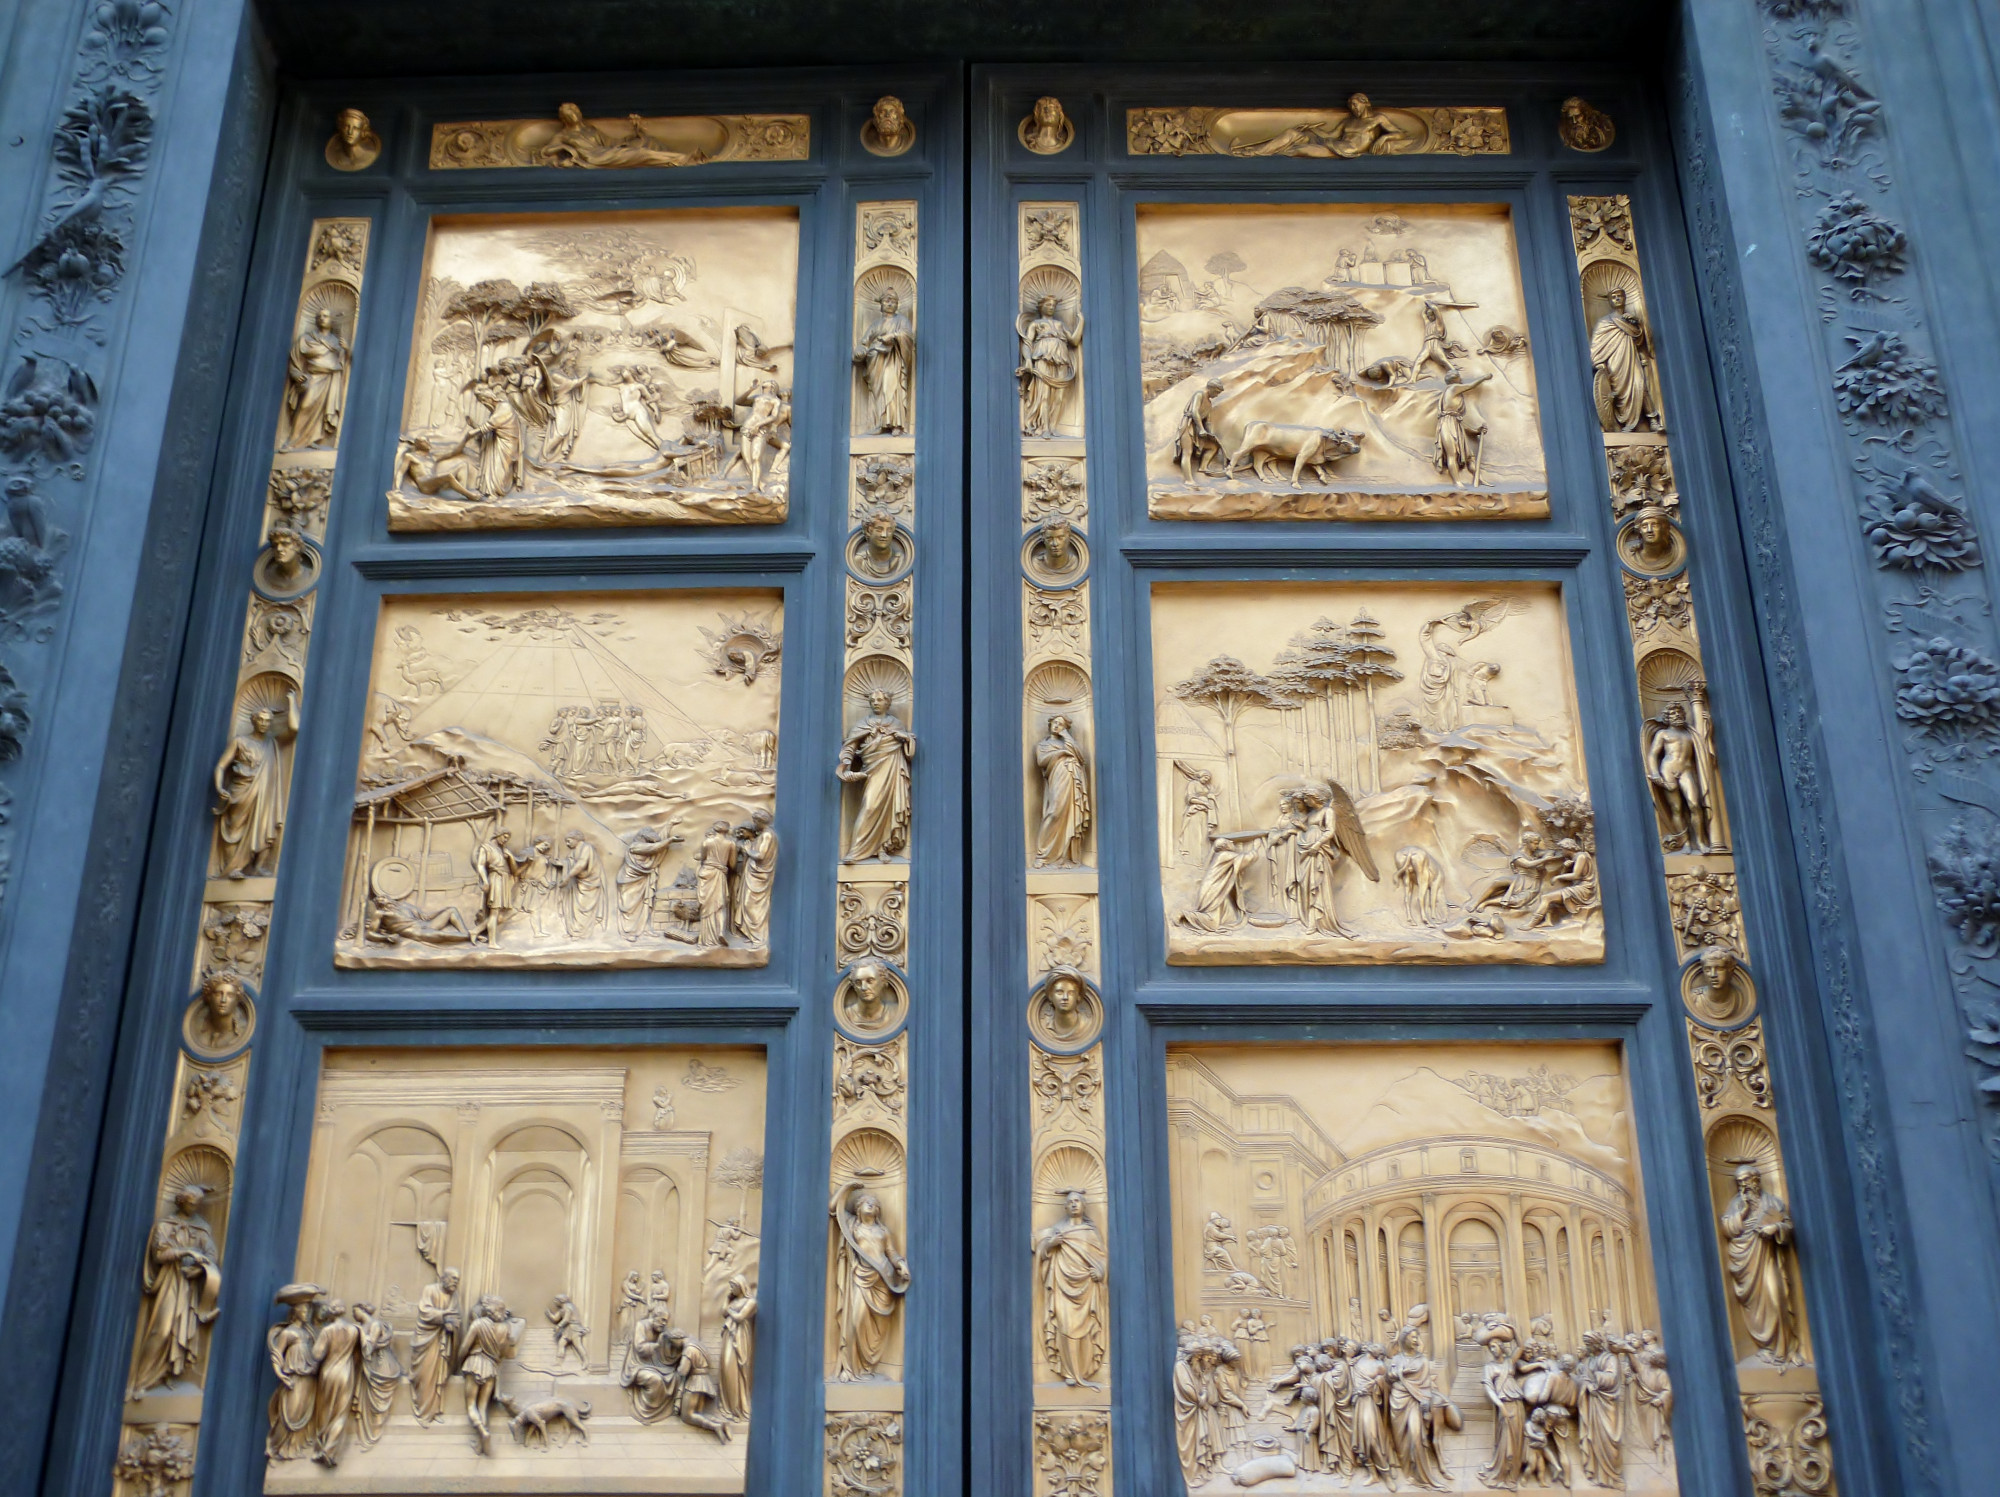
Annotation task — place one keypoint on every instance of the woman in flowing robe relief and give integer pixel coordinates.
(290, 1343)
(380, 1373)
(876, 756)
(871, 1278)
(1416, 1408)
(1374, 1449)
(337, 1350)
(1065, 796)
(1070, 1256)
(181, 1280)
(739, 1330)
(317, 374)
(1620, 359)
(756, 870)
(1048, 366)
(1759, 1229)
(1601, 1414)
(1501, 1382)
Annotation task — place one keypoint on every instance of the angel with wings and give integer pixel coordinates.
(1333, 834)
(1449, 684)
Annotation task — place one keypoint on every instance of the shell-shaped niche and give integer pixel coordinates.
(1664, 676)
(1069, 1167)
(336, 297)
(206, 1168)
(263, 692)
(1602, 277)
(1041, 282)
(1057, 685)
(1737, 1141)
(872, 285)
(868, 1156)
(877, 673)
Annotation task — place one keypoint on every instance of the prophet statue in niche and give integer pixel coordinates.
(876, 756)
(887, 357)
(1406, 1359)
(1405, 786)
(316, 383)
(1757, 1231)
(605, 369)
(1335, 361)
(252, 785)
(1050, 329)
(1071, 1264)
(1066, 809)
(565, 780)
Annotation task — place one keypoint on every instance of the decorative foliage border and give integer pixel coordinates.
(55, 353)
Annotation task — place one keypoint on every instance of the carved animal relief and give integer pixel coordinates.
(509, 1284)
(1420, 1266)
(603, 369)
(567, 780)
(1371, 772)
(1336, 362)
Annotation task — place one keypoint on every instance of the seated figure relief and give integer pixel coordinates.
(1336, 362)
(1406, 786)
(630, 369)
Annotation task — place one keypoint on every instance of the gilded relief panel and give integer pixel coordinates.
(1407, 1264)
(523, 1271)
(1336, 362)
(567, 780)
(1371, 772)
(601, 369)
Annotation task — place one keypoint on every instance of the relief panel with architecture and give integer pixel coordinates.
(1421, 1265)
(578, 780)
(608, 369)
(1371, 772)
(523, 1271)
(1336, 362)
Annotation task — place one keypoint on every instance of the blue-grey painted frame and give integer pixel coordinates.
(1631, 997)
(306, 1004)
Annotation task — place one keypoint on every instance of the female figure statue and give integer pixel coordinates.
(876, 756)
(1048, 366)
(1416, 1411)
(1065, 797)
(182, 1279)
(380, 1373)
(739, 1329)
(871, 1278)
(316, 392)
(337, 1351)
(1070, 1261)
(291, 1345)
(1621, 366)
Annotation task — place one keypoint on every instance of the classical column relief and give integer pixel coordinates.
(1784, 1426)
(1421, 1264)
(870, 1215)
(182, 1263)
(601, 369)
(507, 1278)
(1067, 1247)
(1407, 786)
(1336, 362)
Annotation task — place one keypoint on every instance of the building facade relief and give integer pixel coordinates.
(510, 1282)
(1336, 362)
(1467, 1303)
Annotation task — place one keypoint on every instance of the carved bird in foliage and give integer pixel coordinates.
(101, 143)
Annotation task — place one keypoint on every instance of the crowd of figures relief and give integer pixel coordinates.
(565, 780)
(1336, 362)
(618, 369)
(1401, 779)
(552, 1172)
(1412, 1266)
